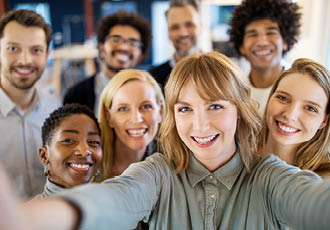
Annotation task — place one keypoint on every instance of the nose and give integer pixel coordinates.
(25, 57)
(262, 39)
(136, 116)
(183, 31)
(83, 149)
(200, 121)
(291, 112)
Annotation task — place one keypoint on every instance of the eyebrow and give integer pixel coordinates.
(77, 132)
(268, 28)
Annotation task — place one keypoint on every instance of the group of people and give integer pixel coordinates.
(221, 151)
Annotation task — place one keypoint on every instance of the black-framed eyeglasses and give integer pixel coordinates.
(116, 40)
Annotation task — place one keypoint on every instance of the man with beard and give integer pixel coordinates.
(24, 42)
(123, 41)
(183, 28)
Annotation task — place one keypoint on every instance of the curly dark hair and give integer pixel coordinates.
(59, 114)
(26, 18)
(283, 12)
(122, 17)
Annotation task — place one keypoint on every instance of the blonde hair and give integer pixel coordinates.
(108, 93)
(310, 154)
(214, 75)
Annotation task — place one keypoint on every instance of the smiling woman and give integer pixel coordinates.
(71, 151)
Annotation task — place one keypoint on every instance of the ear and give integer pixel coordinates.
(242, 50)
(108, 117)
(160, 114)
(324, 123)
(43, 154)
(141, 58)
(101, 50)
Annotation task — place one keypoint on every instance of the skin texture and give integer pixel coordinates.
(74, 152)
(263, 46)
(183, 29)
(23, 56)
(295, 112)
(121, 56)
(206, 127)
(134, 115)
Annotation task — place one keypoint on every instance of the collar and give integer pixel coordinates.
(101, 82)
(7, 105)
(172, 62)
(227, 174)
(51, 188)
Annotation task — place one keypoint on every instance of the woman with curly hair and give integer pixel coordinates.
(262, 32)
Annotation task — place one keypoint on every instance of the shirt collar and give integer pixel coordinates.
(7, 105)
(227, 174)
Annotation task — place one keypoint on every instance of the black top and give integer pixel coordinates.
(161, 73)
(82, 93)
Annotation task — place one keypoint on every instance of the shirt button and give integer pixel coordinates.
(211, 177)
(212, 196)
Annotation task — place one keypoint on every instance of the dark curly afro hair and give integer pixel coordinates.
(57, 116)
(283, 12)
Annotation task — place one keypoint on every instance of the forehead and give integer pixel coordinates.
(182, 14)
(125, 31)
(262, 24)
(24, 35)
(303, 86)
(134, 91)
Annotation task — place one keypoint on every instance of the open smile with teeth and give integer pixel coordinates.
(136, 132)
(24, 70)
(205, 140)
(286, 128)
(262, 52)
(80, 166)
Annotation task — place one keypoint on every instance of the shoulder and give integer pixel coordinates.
(82, 85)
(165, 65)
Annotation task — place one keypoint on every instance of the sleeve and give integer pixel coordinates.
(298, 198)
(118, 203)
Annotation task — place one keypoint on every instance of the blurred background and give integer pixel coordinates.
(73, 48)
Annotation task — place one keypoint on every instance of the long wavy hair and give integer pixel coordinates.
(214, 75)
(108, 93)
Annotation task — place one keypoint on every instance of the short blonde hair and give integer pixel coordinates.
(108, 93)
(214, 75)
(310, 154)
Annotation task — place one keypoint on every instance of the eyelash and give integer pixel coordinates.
(311, 109)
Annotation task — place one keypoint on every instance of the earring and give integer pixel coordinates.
(95, 176)
(46, 170)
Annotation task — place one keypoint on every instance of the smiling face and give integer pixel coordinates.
(74, 152)
(23, 53)
(296, 110)
(206, 127)
(134, 115)
(263, 44)
(183, 28)
(121, 55)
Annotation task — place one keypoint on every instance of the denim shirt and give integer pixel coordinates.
(229, 198)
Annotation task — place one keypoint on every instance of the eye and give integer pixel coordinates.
(12, 48)
(147, 107)
(190, 25)
(37, 50)
(95, 143)
(184, 109)
(67, 141)
(281, 98)
(122, 109)
(215, 107)
(174, 27)
(311, 109)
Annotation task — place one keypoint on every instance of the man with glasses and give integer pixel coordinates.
(123, 41)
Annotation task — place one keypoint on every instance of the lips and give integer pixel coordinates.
(23, 70)
(286, 129)
(81, 166)
(136, 132)
(122, 56)
(205, 141)
(264, 52)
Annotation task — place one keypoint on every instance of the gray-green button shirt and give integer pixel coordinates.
(229, 198)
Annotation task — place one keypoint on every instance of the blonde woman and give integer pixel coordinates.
(131, 109)
(209, 176)
(297, 117)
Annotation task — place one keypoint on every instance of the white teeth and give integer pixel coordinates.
(122, 57)
(287, 129)
(136, 132)
(81, 166)
(263, 52)
(204, 140)
(24, 71)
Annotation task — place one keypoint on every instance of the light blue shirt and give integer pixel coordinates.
(20, 139)
(229, 198)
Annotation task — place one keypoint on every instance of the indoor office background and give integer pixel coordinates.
(73, 48)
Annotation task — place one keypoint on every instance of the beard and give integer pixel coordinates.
(22, 83)
(184, 53)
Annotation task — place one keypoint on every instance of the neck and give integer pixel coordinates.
(21, 97)
(286, 153)
(264, 78)
(124, 156)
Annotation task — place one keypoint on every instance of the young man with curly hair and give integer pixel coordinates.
(263, 32)
(123, 40)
